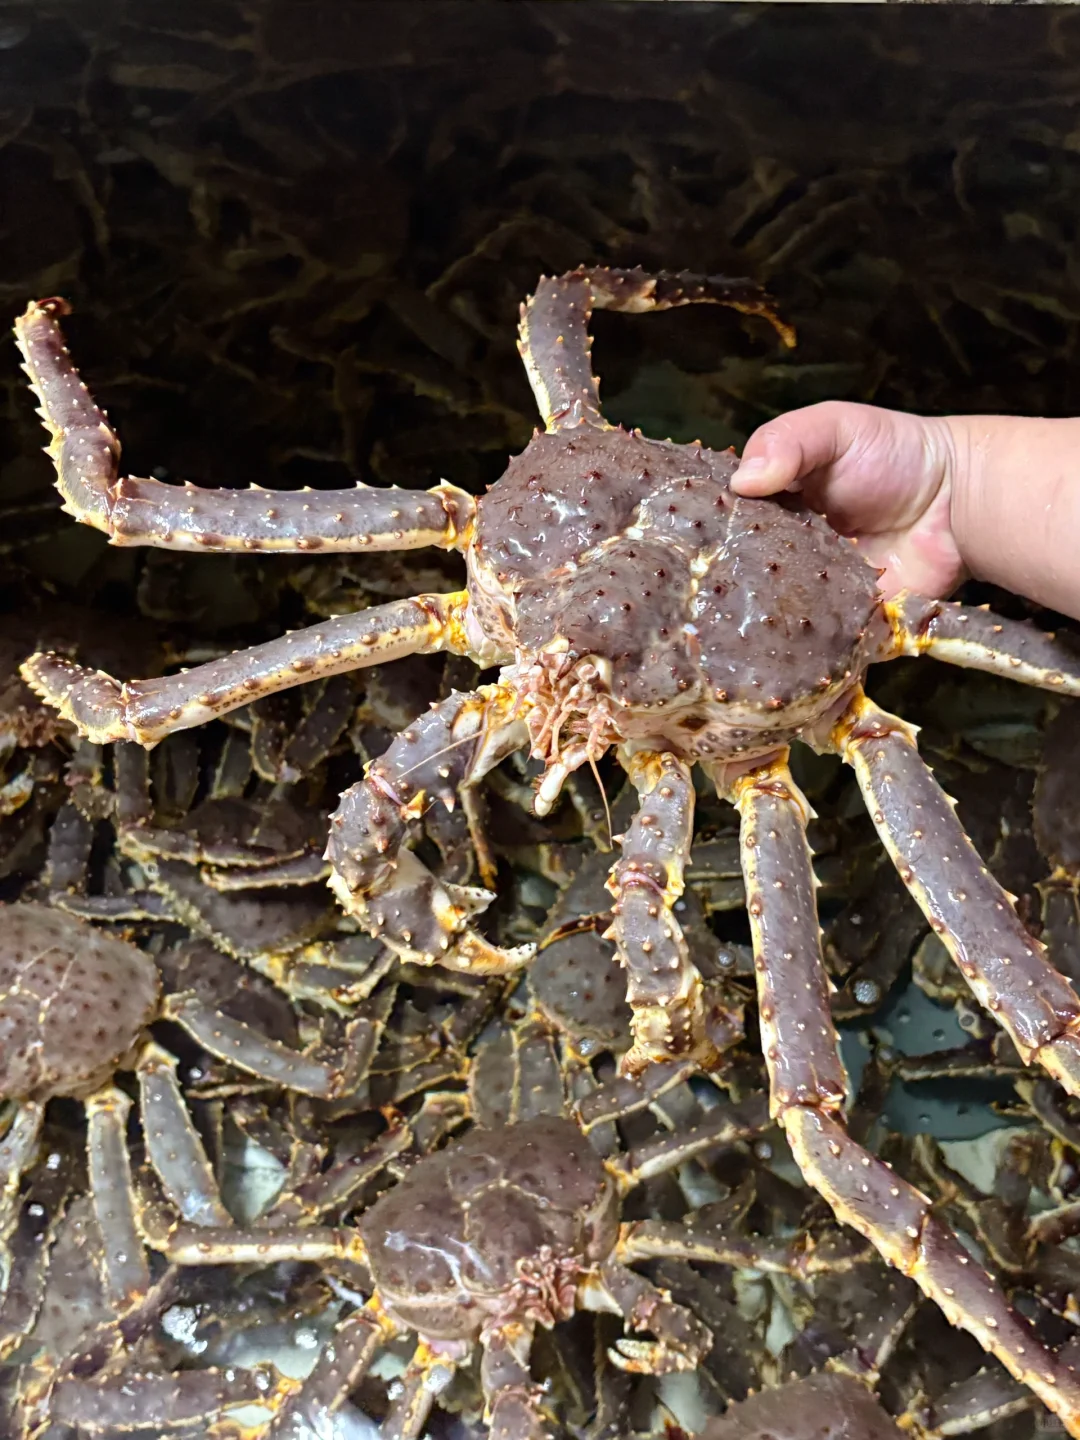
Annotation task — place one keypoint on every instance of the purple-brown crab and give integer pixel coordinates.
(631, 600)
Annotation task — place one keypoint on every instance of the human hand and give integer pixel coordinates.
(882, 477)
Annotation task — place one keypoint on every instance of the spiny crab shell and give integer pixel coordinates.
(645, 602)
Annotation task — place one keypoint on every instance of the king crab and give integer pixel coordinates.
(631, 600)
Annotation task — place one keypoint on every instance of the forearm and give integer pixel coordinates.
(1015, 504)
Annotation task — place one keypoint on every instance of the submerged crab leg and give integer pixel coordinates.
(386, 887)
(127, 1276)
(807, 1083)
(343, 1362)
(980, 640)
(428, 1373)
(133, 1401)
(173, 1144)
(104, 709)
(86, 453)
(553, 333)
(1006, 967)
(663, 987)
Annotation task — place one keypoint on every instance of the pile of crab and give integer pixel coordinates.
(294, 1142)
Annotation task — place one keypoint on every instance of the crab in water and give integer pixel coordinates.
(508, 1231)
(76, 1005)
(631, 600)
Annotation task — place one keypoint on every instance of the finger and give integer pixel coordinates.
(795, 445)
(869, 470)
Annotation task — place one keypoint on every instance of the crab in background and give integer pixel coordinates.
(630, 600)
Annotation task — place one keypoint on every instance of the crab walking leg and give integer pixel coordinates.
(797, 1033)
(427, 1375)
(343, 1362)
(241, 1045)
(513, 1404)
(127, 1276)
(723, 1125)
(173, 1144)
(682, 1341)
(663, 987)
(553, 333)
(807, 1086)
(86, 453)
(128, 1402)
(16, 1152)
(1006, 968)
(104, 709)
(386, 887)
(980, 640)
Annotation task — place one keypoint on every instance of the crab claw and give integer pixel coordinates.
(92, 701)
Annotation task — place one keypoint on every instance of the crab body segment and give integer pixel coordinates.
(630, 600)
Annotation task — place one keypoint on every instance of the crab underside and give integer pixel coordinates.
(630, 600)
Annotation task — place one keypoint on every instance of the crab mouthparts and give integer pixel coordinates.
(571, 719)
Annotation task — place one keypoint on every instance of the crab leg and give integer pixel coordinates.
(104, 709)
(86, 453)
(127, 1276)
(343, 1362)
(554, 328)
(973, 916)
(663, 987)
(682, 1341)
(513, 1403)
(429, 1372)
(16, 1152)
(241, 1045)
(807, 1083)
(980, 640)
(723, 1125)
(133, 1401)
(386, 887)
(173, 1144)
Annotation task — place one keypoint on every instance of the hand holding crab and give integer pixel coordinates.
(631, 599)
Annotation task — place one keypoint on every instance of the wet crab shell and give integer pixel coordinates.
(73, 1002)
(636, 552)
(491, 1227)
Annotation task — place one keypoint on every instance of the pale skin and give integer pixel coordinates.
(934, 500)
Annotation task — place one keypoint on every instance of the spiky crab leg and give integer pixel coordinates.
(513, 1404)
(173, 1144)
(807, 1084)
(974, 917)
(127, 1276)
(385, 886)
(343, 1362)
(682, 1341)
(428, 1373)
(130, 1401)
(980, 640)
(16, 1152)
(663, 987)
(86, 453)
(104, 709)
(553, 333)
(242, 1045)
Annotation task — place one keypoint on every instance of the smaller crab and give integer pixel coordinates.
(514, 1227)
(75, 1005)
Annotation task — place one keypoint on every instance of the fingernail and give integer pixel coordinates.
(759, 467)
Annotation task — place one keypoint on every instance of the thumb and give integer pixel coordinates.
(782, 451)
